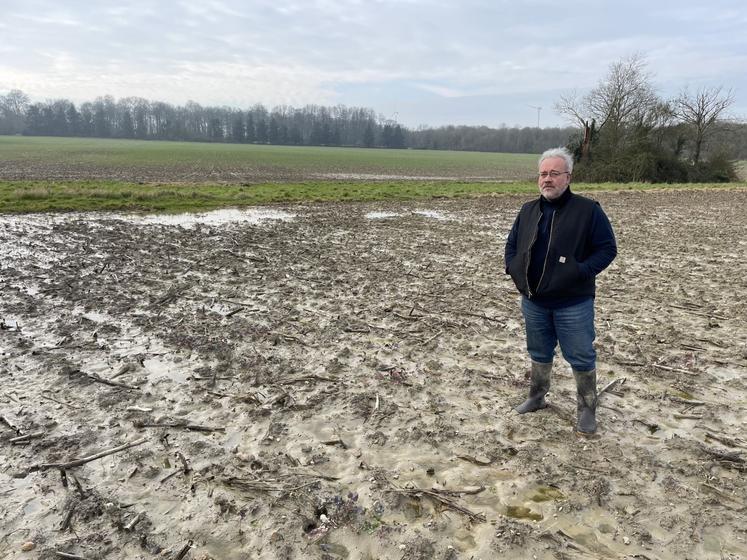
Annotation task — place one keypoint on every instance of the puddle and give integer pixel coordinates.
(465, 539)
(412, 509)
(530, 500)
(546, 493)
(425, 213)
(726, 374)
(334, 550)
(430, 214)
(586, 537)
(390, 177)
(32, 506)
(521, 512)
(97, 317)
(215, 217)
(160, 368)
(10, 324)
(381, 215)
(233, 440)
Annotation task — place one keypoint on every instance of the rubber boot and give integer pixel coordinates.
(586, 399)
(538, 388)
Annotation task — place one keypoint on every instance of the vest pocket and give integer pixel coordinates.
(517, 270)
(562, 274)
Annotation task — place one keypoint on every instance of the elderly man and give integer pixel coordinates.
(558, 244)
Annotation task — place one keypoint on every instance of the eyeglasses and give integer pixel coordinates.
(552, 174)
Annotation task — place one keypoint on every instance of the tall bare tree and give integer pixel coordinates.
(701, 111)
(13, 108)
(624, 98)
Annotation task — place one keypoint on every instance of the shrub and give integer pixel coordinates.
(651, 164)
(717, 169)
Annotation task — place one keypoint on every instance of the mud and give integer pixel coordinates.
(337, 381)
(172, 174)
(244, 173)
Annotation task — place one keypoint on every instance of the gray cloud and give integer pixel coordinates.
(427, 60)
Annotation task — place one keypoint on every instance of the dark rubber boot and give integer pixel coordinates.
(586, 399)
(538, 388)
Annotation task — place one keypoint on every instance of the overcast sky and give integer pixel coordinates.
(427, 62)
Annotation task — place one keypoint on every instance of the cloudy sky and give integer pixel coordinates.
(427, 62)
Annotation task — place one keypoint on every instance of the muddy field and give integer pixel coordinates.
(336, 381)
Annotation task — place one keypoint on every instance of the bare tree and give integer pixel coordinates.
(622, 99)
(701, 111)
(13, 108)
(624, 96)
(572, 106)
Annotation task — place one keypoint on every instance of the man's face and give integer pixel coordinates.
(552, 187)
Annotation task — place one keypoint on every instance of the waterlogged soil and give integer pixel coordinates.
(337, 381)
(251, 173)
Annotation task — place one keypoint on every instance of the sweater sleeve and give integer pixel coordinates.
(602, 242)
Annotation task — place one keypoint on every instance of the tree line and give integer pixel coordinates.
(621, 129)
(137, 118)
(526, 140)
(312, 125)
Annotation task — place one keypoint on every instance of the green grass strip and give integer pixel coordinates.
(49, 196)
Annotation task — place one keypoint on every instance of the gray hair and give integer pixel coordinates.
(562, 153)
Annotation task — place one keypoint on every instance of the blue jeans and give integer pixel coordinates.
(572, 327)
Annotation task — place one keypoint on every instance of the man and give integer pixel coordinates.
(558, 244)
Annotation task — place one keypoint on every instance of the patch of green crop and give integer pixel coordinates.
(42, 196)
(62, 155)
(45, 196)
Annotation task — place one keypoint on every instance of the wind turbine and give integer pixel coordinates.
(538, 113)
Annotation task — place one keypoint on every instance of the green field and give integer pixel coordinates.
(253, 159)
(64, 174)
